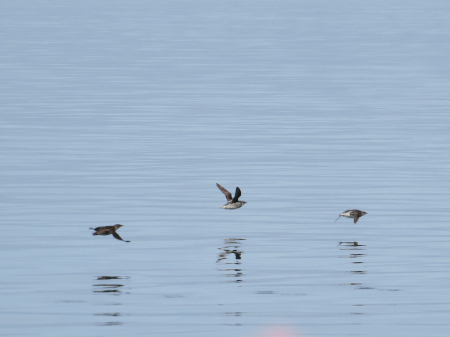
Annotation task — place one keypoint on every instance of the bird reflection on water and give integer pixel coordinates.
(354, 246)
(109, 315)
(113, 288)
(232, 247)
(350, 244)
(109, 287)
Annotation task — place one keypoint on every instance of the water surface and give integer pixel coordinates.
(131, 112)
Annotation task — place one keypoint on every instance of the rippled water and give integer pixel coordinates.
(131, 112)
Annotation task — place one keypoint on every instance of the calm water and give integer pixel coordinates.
(130, 112)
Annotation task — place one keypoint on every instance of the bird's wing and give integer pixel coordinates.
(237, 194)
(224, 191)
(356, 216)
(117, 236)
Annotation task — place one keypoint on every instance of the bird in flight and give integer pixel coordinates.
(232, 203)
(107, 230)
(352, 213)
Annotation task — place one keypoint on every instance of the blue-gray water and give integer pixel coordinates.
(131, 112)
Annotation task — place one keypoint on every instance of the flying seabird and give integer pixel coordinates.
(352, 213)
(106, 230)
(232, 203)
